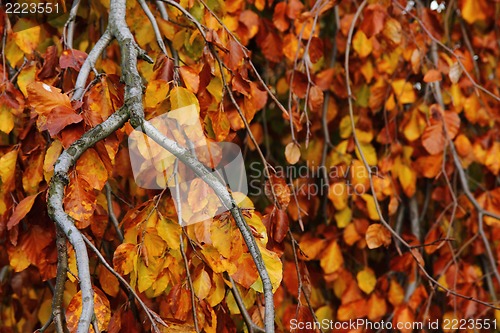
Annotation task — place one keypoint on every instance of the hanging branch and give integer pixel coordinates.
(56, 211)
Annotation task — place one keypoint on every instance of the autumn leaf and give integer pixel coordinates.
(332, 259)
(361, 44)
(366, 280)
(124, 259)
(432, 75)
(434, 136)
(377, 235)
(277, 189)
(21, 210)
(292, 153)
(101, 310)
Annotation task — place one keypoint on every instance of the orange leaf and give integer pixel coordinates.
(21, 210)
(101, 310)
(377, 235)
(80, 201)
(432, 75)
(246, 274)
(91, 169)
(44, 98)
(109, 283)
(124, 258)
(190, 77)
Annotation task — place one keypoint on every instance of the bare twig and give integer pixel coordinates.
(241, 305)
(69, 26)
(111, 212)
(153, 319)
(62, 271)
(156, 29)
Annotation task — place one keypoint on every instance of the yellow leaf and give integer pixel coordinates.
(404, 91)
(346, 127)
(7, 169)
(392, 31)
(377, 307)
(343, 217)
(473, 10)
(218, 290)
(51, 157)
(6, 119)
(156, 92)
(147, 275)
(18, 259)
(215, 88)
(492, 161)
(274, 267)
(169, 231)
(408, 178)
(181, 97)
(366, 280)
(361, 44)
(338, 195)
(154, 244)
(202, 284)
(371, 207)
(369, 153)
(415, 126)
(332, 259)
(25, 77)
(396, 293)
(27, 36)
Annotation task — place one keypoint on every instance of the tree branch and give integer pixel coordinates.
(56, 211)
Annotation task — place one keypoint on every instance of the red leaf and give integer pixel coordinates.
(235, 54)
(59, 118)
(72, 59)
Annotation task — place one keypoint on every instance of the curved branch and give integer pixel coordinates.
(56, 211)
(156, 29)
(69, 26)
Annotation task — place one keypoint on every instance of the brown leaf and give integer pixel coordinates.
(58, 119)
(373, 19)
(235, 54)
(279, 187)
(280, 224)
(44, 98)
(72, 59)
(80, 201)
(292, 153)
